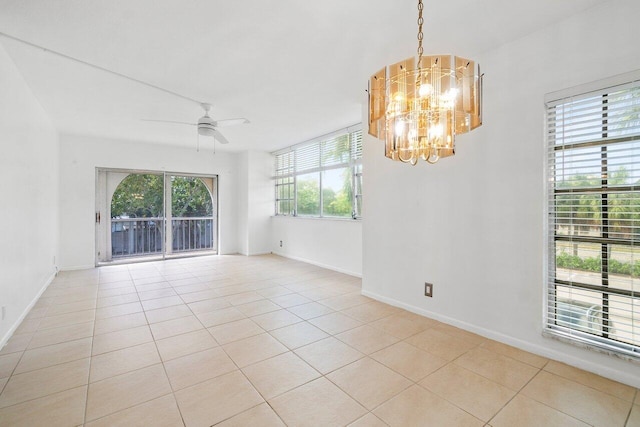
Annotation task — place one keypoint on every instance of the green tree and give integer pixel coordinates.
(190, 197)
(138, 196)
(308, 192)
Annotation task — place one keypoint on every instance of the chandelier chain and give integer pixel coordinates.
(420, 36)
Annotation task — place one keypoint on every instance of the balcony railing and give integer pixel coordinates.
(144, 236)
(192, 234)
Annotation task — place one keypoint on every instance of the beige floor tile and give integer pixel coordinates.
(254, 349)
(258, 307)
(118, 310)
(174, 327)
(190, 289)
(328, 354)
(408, 360)
(317, 294)
(156, 293)
(525, 412)
(35, 384)
(515, 353)
(208, 305)
(182, 345)
(122, 361)
(368, 420)
(419, 407)
(28, 326)
(290, 300)
(120, 323)
(43, 357)
(152, 286)
(60, 335)
(17, 343)
(369, 382)
(345, 301)
(3, 382)
(310, 310)
(234, 331)
(121, 339)
(398, 326)
(440, 344)
(220, 317)
(318, 403)
(62, 409)
(461, 334)
(215, 400)
(496, 367)
(274, 291)
(261, 415)
(71, 307)
(367, 339)
(335, 323)
(195, 368)
(582, 402)
(243, 298)
(160, 412)
(276, 319)
(8, 363)
(279, 374)
(118, 300)
(67, 319)
(634, 417)
(106, 293)
(473, 393)
(124, 391)
(298, 334)
(154, 304)
(168, 313)
(591, 380)
(370, 311)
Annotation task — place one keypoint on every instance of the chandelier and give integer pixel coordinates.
(418, 110)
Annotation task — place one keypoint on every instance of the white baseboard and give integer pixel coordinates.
(319, 264)
(26, 311)
(597, 368)
(77, 267)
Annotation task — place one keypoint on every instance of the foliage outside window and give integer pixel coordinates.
(321, 178)
(594, 219)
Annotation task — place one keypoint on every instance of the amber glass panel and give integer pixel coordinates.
(377, 91)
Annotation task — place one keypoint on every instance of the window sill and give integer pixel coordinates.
(318, 218)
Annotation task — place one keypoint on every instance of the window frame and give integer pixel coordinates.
(309, 157)
(555, 324)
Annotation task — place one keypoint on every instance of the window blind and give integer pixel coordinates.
(594, 218)
(322, 177)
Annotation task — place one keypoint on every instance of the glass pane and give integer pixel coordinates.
(190, 198)
(337, 192)
(578, 309)
(624, 267)
(579, 262)
(138, 196)
(336, 151)
(624, 312)
(578, 214)
(624, 216)
(308, 191)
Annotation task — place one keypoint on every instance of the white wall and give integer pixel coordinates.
(473, 224)
(261, 202)
(81, 155)
(331, 243)
(29, 197)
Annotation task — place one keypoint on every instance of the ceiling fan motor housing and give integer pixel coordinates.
(206, 126)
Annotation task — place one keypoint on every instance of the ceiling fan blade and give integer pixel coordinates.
(230, 122)
(218, 136)
(169, 121)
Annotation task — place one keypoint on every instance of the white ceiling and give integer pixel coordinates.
(296, 69)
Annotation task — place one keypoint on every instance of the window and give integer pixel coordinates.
(321, 178)
(594, 218)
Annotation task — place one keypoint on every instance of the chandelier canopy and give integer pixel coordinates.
(419, 107)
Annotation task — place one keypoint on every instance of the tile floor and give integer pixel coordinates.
(266, 341)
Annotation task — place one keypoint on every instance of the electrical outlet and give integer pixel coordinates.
(280, 243)
(428, 289)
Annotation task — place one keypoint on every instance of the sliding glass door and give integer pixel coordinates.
(153, 214)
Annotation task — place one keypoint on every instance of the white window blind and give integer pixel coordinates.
(322, 177)
(594, 218)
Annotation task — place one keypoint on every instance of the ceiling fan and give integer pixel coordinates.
(208, 126)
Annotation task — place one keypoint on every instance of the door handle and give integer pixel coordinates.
(97, 217)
